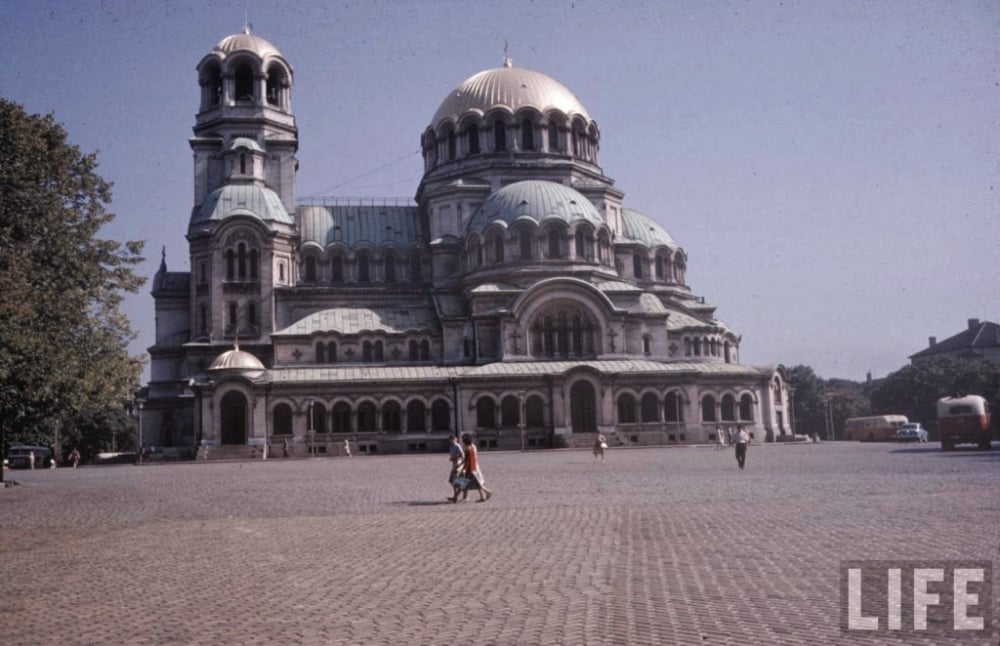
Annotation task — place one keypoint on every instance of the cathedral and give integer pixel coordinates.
(516, 297)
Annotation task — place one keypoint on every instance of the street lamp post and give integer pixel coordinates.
(312, 430)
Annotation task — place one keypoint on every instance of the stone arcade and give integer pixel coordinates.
(517, 298)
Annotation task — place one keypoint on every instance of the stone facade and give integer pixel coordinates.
(516, 297)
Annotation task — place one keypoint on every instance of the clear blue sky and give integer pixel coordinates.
(831, 168)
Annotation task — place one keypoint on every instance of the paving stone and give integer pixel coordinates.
(654, 546)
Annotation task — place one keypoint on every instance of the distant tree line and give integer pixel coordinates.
(822, 405)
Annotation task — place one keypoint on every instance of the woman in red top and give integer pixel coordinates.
(473, 472)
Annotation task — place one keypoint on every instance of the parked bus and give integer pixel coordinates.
(877, 428)
(964, 420)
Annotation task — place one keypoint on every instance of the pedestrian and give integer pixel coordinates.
(742, 441)
(347, 448)
(731, 435)
(284, 448)
(31, 460)
(719, 438)
(74, 457)
(600, 447)
(473, 472)
(457, 458)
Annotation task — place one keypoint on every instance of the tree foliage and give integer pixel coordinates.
(63, 339)
(822, 405)
(913, 390)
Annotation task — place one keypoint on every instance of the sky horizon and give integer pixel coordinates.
(829, 168)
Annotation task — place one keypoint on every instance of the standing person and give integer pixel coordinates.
(742, 440)
(284, 448)
(473, 472)
(600, 447)
(719, 438)
(31, 460)
(347, 448)
(457, 457)
(74, 457)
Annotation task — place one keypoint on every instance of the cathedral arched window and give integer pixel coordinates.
(202, 319)
(318, 417)
(746, 408)
(230, 264)
(425, 350)
(673, 411)
(659, 267)
(626, 409)
(414, 350)
(451, 145)
(310, 269)
(275, 80)
(728, 408)
(212, 81)
(341, 417)
(527, 135)
(366, 417)
(440, 415)
(416, 417)
(366, 351)
(320, 352)
(554, 242)
(331, 352)
(281, 420)
(485, 413)
(534, 412)
(498, 249)
(337, 269)
(525, 245)
(637, 262)
(650, 408)
(390, 268)
(252, 317)
(390, 417)
(377, 351)
(364, 273)
(563, 331)
(708, 409)
(726, 350)
(241, 260)
(510, 412)
(254, 264)
(472, 139)
(554, 137)
(499, 136)
(243, 82)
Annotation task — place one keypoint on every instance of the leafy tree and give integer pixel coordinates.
(822, 405)
(63, 339)
(807, 400)
(96, 432)
(913, 390)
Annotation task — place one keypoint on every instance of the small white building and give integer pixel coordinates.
(517, 297)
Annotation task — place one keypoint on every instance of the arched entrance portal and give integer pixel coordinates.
(583, 407)
(234, 418)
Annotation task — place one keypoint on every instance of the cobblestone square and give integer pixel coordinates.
(654, 546)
